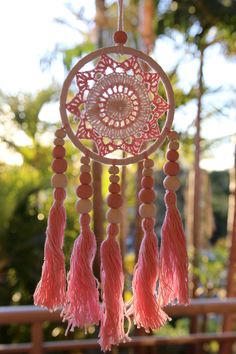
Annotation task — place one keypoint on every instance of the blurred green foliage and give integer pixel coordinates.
(195, 19)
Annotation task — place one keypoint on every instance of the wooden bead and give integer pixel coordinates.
(114, 179)
(59, 181)
(113, 229)
(170, 198)
(84, 206)
(120, 37)
(113, 170)
(84, 191)
(60, 133)
(114, 188)
(146, 196)
(59, 194)
(84, 220)
(147, 210)
(171, 183)
(147, 172)
(172, 155)
(85, 168)
(85, 160)
(58, 152)
(148, 224)
(85, 178)
(148, 163)
(171, 168)
(59, 165)
(114, 201)
(114, 216)
(173, 145)
(173, 135)
(147, 182)
(58, 141)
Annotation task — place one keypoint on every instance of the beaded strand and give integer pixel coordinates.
(59, 164)
(171, 168)
(114, 199)
(147, 209)
(84, 191)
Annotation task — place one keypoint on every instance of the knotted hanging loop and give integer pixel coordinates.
(120, 36)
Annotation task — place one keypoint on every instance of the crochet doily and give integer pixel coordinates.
(117, 105)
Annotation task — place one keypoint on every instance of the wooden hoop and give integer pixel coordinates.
(119, 49)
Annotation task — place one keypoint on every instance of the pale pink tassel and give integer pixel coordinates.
(144, 306)
(112, 324)
(82, 307)
(173, 285)
(51, 289)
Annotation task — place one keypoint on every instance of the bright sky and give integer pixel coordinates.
(28, 31)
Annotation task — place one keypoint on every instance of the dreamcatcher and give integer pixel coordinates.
(113, 95)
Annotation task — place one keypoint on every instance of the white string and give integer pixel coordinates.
(120, 16)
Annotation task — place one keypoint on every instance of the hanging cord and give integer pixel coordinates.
(120, 25)
(120, 37)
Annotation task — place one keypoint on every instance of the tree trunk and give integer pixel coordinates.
(229, 320)
(138, 227)
(98, 212)
(124, 223)
(146, 11)
(145, 43)
(146, 25)
(197, 190)
(197, 175)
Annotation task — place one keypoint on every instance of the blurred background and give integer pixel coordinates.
(195, 43)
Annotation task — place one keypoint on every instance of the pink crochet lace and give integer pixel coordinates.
(117, 105)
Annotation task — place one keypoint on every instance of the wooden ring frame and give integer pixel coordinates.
(119, 49)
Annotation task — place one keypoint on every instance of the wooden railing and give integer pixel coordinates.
(35, 317)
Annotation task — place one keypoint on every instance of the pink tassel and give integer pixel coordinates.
(144, 306)
(82, 307)
(174, 259)
(51, 289)
(112, 324)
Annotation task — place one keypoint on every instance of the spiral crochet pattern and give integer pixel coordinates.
(118, 105)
